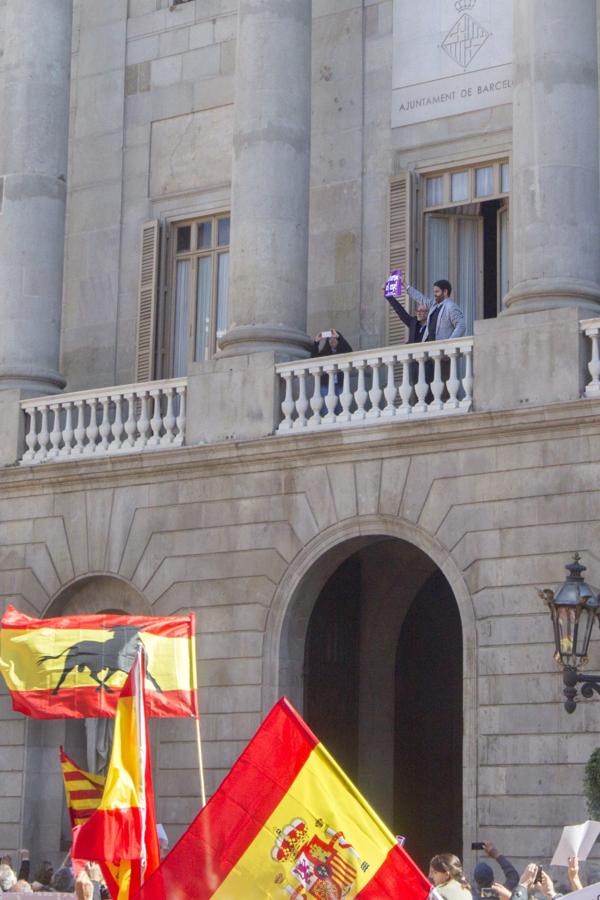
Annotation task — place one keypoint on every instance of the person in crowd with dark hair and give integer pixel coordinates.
(445, 318)
(329, 343)
(483, 875)
(43, 876)
(447, 876)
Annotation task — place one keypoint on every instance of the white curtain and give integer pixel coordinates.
(467, 269)
(222, 293)
(203, 299)
(182, 303)
(438, 243)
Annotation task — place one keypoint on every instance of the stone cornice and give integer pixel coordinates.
(445, 434)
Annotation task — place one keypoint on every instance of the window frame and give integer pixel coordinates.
(439, 169)
(471, 168)
(169, 289)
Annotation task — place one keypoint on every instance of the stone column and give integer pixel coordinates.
(34, 112)
(555, 200)
(270, 179)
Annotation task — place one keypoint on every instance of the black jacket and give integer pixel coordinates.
(342, 347)
(416, 330)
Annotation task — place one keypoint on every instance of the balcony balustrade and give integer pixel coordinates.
(125, 419)
(410, 381)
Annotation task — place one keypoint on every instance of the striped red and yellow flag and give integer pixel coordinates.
(75, 666)
(121, 832)
(83, 790)
(286, 822)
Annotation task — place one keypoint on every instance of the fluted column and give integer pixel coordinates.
(270, 179)
(34, 116)
(555, 201)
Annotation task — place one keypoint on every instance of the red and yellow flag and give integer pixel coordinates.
(286, 822)
(75, 666)
(121, 833)
(83, 790)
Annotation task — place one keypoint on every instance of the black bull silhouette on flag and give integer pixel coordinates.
(114, 655)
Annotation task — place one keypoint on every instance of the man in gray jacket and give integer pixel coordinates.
(445, 318)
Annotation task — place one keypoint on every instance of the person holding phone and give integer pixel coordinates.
(328, 343)
(533, 880)
(483, 874)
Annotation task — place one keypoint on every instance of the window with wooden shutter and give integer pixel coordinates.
(400, 249)
(147, 300)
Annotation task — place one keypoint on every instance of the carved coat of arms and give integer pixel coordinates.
(466, 37)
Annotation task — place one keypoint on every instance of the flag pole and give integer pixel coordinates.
(200, 762)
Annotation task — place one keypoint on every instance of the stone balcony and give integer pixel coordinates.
(375, 387)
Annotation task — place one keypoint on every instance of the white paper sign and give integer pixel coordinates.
(591, 892)
(575, 840)
(450, 56)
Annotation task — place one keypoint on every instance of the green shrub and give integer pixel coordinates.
(591, 784)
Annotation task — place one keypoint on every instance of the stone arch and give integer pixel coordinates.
(97, 592)
(297, 594)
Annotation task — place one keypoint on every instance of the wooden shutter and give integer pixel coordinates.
(400, 248)
(147, 300)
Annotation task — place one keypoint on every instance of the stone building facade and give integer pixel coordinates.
(187, 192)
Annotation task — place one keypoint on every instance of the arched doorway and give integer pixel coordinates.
(381, 693)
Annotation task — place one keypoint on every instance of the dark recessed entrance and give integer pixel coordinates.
(409, 756)
(429, 726)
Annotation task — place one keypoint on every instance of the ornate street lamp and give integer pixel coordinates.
(573, 609)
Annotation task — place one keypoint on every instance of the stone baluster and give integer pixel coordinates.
(169, 419)
(376, 393)
(103, 446)
(406, 388)
(143, 425)
(453, 383)
(67, 434)
(421, 387)
(593, 388)
(180, 437)
(331, 400)
(92, 431)
(316, 401)
(288, 406)
(44, 435)
(467, 381)
(130, 423)
(117, 425)
(79, 429)
(156, 420)
(360, 394)
(390, 390)
(302, 401)
(346, 395)
(56, 433)
(31, 436)
(437, 385)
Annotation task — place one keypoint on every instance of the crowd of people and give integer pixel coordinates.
(450, 882)
(88, 884)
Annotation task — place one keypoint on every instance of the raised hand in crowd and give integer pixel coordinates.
(573, 873)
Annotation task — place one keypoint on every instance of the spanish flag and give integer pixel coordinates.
(75, 666)
(121, 833)
(82, 789)
(286, 822)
